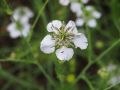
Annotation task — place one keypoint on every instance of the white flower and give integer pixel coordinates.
(22, 14)
(17, 29)
(85, 14)
(64, 2)
(62, 37)
(91, 10)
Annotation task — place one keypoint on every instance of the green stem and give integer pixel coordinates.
(12, 78)
(46, 75)
(8, 11)
(31, 62)
(97, 59)
(107, 51)
(108, 88)
(37, 18)
(90, 53)
(88, 82)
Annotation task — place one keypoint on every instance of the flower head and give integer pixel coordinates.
(63, 37)
(89, 17)
(20, 25)
(17, 29)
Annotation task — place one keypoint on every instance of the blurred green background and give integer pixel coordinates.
(24, 67)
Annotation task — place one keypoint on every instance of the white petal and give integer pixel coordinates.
(49, 27)
(75, 7)
(64, 53)
(47, 49)
(11, 27)
(85, 1)
(92, 23)
(14, 33)
(96, 14)
(52, 26)
(64, 2)
(47, 44)
(79, 13)
(28, 13)
(79, 22)
(80, 41)
(71, 27)
(89, 8)
(26, 30)
(23, 14)
(57, 23)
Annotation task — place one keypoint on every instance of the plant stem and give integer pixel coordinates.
(37, 18)
(12, 78)
(90, 53)
(88, 82)
(108, 88)
(97, 59)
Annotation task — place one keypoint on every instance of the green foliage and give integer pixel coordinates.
(23, 66)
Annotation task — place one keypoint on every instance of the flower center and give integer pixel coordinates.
(19, 26)
(63, 38)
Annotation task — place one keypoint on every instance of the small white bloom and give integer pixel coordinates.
(79, 22)
(64, 53)
(92, 23)
(63, 36)
(64, 2)
(91, 10)
(17, 29)
(22, 14)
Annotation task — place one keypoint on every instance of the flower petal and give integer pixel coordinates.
(14, 33)
(75, 7)
(92, 23)
(26, 30)
(96, 14)
(47, 44)
(79, 13)
(54, 26)
(64, 2)
(79, 22)
(80, 41)
(85, 1)
(71, 27)
(89, 8)
(22, 14)
(64, 53)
